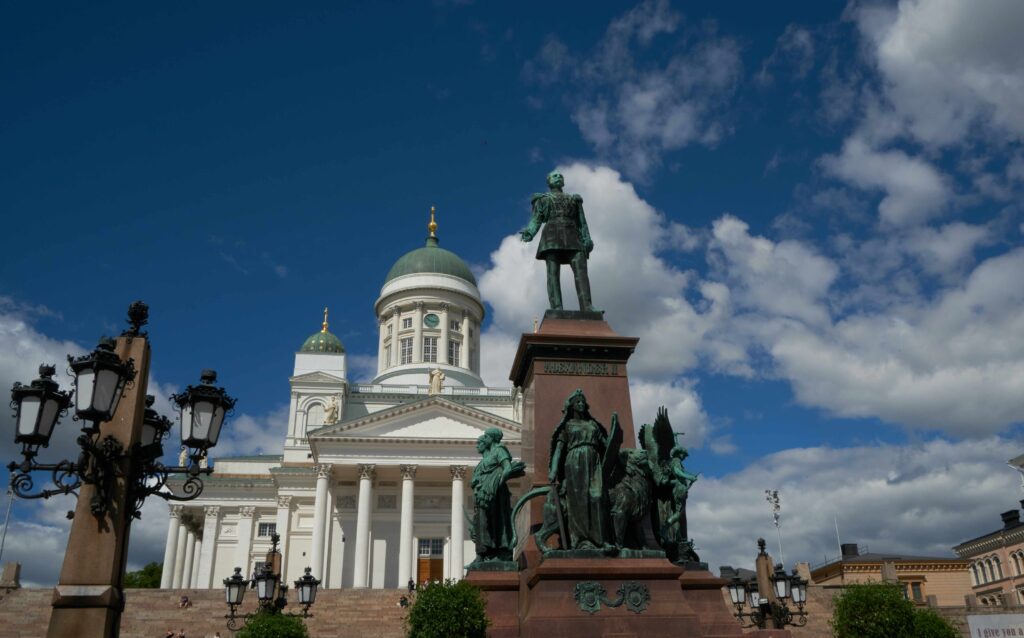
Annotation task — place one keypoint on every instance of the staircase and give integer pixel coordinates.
(149, 613)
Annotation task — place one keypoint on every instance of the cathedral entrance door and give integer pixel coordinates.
(430, 560)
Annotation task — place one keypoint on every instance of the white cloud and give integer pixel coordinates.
(949, 66)
(915, 191)
(636, 113)
(794, 53)
(252, 434)
(915, 499)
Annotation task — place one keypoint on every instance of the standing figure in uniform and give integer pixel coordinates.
(565, 239)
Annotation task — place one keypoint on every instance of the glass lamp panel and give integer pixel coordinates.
(107, 385)
(49, 417)
(28, 416)
(736, 593)
(148, 434)
(781, 583)
(263, 586)
(215, 424)
(84, 382)
(236, 592)
(755, 597)
(202, 416)
(186, 422)
(800, 593)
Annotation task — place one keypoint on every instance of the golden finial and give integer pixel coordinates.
(324, 329)
(432, 226)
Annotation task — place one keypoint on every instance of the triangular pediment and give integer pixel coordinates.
(433, 418)
(316, 377)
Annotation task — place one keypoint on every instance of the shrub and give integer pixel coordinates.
(266, 625)
(147, 577)
(447, 610)
(873, 610)
(928, 624)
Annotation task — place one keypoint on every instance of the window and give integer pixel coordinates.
(470, 333)
(406, 352)
(387, 355)
(431, 547)
(266, 529)
(974, 574)
(430, 349)
(406, 323)
(453, 325)
(453, 352)
(315, 414)
(916, 593)
(390, 326)
(999, 567)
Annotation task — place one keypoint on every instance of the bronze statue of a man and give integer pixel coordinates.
(565, 239)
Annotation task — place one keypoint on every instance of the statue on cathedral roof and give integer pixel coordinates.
(331, 415)
(436, 381)
(564, 240)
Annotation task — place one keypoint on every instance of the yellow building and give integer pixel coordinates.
(922, 577)
(996, 562)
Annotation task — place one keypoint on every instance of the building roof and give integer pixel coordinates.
(431, 259)
(266, 458)
(897, 558)
(323, 342)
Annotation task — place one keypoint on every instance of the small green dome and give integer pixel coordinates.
(323, 342)
(431, 259)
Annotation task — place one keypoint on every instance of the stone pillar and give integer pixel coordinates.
(417, 339)
(395, 327)
(464, 351)
(244, 548)
(196, 555)
(328, 529)
(380, 344)
(405, 557)
(179, 554)
(171, 548)
(284, 519)
(442, 346)
(190, 557)
(323, 473)
(363, 514)
(458, 522)
(211, 530)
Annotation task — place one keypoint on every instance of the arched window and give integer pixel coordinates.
(974, 574)
(314, 415)
(985, 575)
(999, 567)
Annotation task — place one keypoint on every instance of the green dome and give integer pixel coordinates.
(431, 259)
(323, 341)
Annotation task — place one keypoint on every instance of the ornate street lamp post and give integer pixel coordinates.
(763, 610)
(271, 593)
(118, 467)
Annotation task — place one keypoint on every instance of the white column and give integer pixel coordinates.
(196, 555)
(396, 326)
(405, 525)
(417, 339)
(244, 548)
(458, 522)
(190, 557)
(179, 554)
(364, 511)
(211, 530)
(442, 347)
(415, 550)
(325, 567)
(284, 519)
(323, 473)
(171, 548)
(380, 345)
(464, 352)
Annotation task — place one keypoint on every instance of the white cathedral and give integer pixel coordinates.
(371, 483)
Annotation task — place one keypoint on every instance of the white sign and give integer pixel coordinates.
(996, 625)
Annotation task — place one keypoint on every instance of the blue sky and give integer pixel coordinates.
(808, 213)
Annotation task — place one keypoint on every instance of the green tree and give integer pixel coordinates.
(267, 625)
(873, 610)
(452, 609)
(881, 610)
(928, 624)
(146, 578)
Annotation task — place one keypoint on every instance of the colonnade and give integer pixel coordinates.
(191, 551)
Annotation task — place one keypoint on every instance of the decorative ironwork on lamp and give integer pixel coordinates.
(787, 588)
(272, 594)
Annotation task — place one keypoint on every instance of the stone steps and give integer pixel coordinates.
(24, 613)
